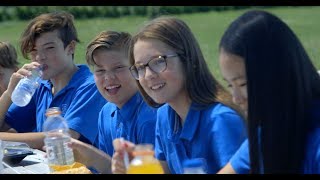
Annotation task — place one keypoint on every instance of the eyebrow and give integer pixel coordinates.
(45, 44)
(148, 59)
(48, 43)
(235, 78)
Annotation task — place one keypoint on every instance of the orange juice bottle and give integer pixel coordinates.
(144, 161)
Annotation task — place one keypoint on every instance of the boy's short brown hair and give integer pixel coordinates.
(61, 21)
(110, 40)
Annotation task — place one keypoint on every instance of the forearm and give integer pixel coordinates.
(34, 139)
(100, 161)
(165, 167)
(227, 169)
(5, 101)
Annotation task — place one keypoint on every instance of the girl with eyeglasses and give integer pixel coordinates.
(195, 119)
(274, 81)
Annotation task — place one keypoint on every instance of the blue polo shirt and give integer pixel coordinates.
(135, 122)
(212, 134)
(79, 101)
(240, 162)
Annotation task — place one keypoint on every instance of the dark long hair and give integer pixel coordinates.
(202, 87)
(281, 84)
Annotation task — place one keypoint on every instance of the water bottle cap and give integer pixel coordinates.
(55, 122)
(143, 153)
(143, 150)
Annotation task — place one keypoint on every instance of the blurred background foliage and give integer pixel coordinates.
(83, 12)
(206, 22)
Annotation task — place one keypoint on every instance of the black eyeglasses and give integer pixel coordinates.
(157, 64)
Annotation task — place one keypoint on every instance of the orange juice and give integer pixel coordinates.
(144, 161)
(65, 167)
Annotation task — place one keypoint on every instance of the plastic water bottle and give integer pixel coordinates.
(59, 155)
(194, 166)
(1, 156)
(26, 87)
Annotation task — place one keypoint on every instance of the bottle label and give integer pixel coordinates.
(58, 151)
(50, 153)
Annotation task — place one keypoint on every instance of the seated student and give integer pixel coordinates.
(50, 41)
(126, 114)
(171, 70)
(8, 64)
(273, 80)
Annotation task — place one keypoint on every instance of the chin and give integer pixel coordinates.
(45, 77)
(159, 101)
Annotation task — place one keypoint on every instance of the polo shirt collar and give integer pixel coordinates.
(129, 108)
(78, 77)
(190, 125)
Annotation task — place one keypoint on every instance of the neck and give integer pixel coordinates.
(181, 106)
(60, 81)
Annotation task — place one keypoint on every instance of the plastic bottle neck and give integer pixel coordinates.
(54, 111)
(35, 74)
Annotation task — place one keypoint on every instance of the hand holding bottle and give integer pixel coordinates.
(23, 83)
(144, 161)
(24, 71)
(122, 155)
(56, 129)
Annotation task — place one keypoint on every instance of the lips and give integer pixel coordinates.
(112, 87)
(112, 90)
(157, 86)
(43, 67)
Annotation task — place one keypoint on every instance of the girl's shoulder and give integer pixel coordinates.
(219, 108)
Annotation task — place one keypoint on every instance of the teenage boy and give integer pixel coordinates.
(126, 115)
(49, 41)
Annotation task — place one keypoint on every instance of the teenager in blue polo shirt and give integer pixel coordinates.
(195, 120)
(49, 40)
(275, 83)
(126, 115)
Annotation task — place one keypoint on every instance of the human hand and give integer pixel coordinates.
(24, 71)
(122, 156)
(82, 152)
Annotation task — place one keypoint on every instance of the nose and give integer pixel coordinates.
(149, 73)
(109, 75)
(40, 56)
(237, 97)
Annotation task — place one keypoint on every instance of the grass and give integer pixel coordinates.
(207, 27)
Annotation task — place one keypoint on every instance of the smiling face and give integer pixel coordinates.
(163, 87)
(112, 76)
(234, 73)
(49, 51)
